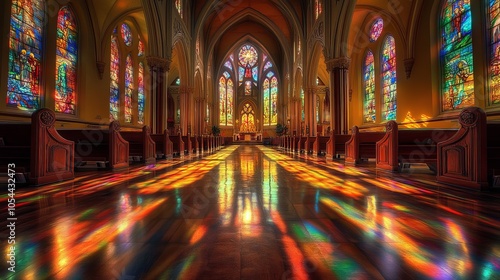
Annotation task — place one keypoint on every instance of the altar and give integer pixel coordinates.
(247, 136)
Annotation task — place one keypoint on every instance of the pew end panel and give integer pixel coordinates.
(387, 148)
(118, 147)
(462, 159)
(52, 156)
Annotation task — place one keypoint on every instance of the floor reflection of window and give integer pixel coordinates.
(247, 119)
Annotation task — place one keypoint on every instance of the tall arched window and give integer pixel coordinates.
(126, 38)
(129, 88)
(246, 72)
(140, 93)
(178, 6)
(494, 25)
(226, 96)
(274, 100)
(25, 54)
(270, 93)
(267, 102)
(318, 8)
(303, 104)
(114, 72)
(247, 119)
(389, 79)
(376, 29)
(456, 55)
(222, 99)
(369, 88)
(66, 59)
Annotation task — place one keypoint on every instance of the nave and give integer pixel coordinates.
(250, 212)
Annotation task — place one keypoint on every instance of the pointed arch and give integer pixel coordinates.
(129, 87)
(369, 87)
(494, 67)
(114, 72)
(66, 61)
(457, 86)
(389, 79)
(25, 54)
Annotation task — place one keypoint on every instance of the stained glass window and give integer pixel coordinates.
(114, 72)
(230, 99)
(494, 24)
(25, 54)
(140, 93)
(369, 88)
(318, 8)
(376, 29)
(222, 101)
(317, 109)
(140, 48)
(66, 58)
(129, 88)
(241, 74)
(268, 65)
(303, 104)
(389, 79)
(267, 106)
(255, 73)
(456, 55)
(178, 6)
(226, 99)
(126, 34)
(247, 119)
(229, 65)
(248, 88)
(274, 101)
(247, 56)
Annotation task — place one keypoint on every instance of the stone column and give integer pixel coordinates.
(339, 70)
(158, 69)
(321, 96)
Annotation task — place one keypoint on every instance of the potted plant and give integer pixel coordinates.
(215, 130)
(280, 129)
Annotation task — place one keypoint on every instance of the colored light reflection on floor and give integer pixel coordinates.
(182, 176)
(402, 231)
(277, 217)
(317, 177)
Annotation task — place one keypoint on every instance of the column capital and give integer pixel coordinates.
(338, 63)
(160, 63)
(100, 68)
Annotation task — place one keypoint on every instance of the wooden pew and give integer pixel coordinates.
(308, 145)
(39, 153)
(401, 147)
(195, 147)
(294, 144)
(301, 144)
(471, 157)
(188, 148)
(178, 145)
(106, 148)
(361, 145)
(141, 145)
(200, 144)
(335, 147)
(164, 147)
(319, 146)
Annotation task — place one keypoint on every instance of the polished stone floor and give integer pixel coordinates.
(252, 212)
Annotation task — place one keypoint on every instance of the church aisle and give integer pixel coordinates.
(252, 212)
